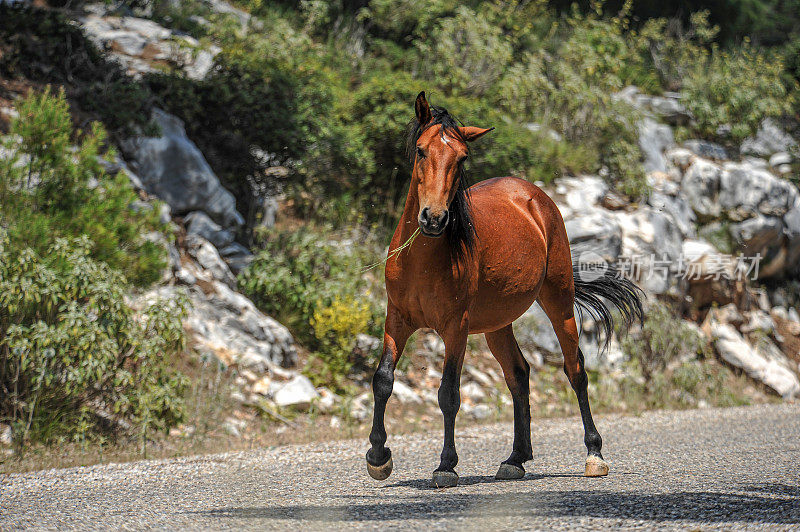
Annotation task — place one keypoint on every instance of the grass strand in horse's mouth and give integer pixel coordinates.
(395, 252)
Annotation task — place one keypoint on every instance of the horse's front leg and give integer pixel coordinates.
(395, 336)
(455, 341)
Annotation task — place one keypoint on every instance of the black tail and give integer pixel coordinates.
(592, 290)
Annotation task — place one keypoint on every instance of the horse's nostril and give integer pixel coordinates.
(424, 216)
(445, 218)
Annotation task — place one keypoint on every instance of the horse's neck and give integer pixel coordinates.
(408, 223)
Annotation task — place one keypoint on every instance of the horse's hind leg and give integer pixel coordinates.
(557, 300)
(379, 457)
(516, 370)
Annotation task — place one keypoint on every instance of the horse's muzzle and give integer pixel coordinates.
(432, 225)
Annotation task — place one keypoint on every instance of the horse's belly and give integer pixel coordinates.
(491, 315)
(512, 272)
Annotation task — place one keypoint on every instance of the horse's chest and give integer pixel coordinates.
(421, 294)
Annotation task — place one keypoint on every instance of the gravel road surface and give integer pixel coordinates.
(703, 469)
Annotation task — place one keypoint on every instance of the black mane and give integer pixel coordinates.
(460, 232)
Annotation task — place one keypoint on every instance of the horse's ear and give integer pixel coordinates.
(423, 109)
(471, 133)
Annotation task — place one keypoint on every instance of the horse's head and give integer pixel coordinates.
(438, 148)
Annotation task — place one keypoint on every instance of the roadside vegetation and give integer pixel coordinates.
(76, 361)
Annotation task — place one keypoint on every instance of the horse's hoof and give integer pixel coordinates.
(380, 472)
(444, 479)
(509, 472)
(595, 467)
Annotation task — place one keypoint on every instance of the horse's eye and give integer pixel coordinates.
(420, 153)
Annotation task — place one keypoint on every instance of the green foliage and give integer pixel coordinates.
(569, 88)
(49, 190)
(664, 338)
(335, 328)
(464, 53)
(75, 360)
(301, 271)
(736, 89)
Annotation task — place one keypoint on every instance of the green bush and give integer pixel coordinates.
(573, 95)
(49, 190)
(335, 327)
(75, 360)
(663, 339)
(735, 89)
(313, 281)
(300, 271)
(464, 54)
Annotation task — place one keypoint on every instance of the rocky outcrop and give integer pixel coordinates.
(143, 46)
(172, 168)
(768, 366)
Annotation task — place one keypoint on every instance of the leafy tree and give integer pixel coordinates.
(49, 190)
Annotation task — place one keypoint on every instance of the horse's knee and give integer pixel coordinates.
(382, 383)
(449, 398)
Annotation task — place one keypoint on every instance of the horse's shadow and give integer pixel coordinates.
(755, 503)
(425, 483)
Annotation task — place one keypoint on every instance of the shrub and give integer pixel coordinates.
(664, 338)
(305, 270)
(736, 90)
(568, 97)
(464, 53)
(335, 327)
(43, 46)
(49, 190)
(75, 360)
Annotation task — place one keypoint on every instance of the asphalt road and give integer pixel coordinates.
(706, 469)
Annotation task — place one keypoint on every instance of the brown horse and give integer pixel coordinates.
(485, 254)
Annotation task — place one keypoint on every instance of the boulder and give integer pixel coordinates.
(297, 393)
(479, 412)
(597, 358)
(652, 240)
(791, 222)
(473, 392)
(680, 158)
(226, 325)
(405, 394)
(678, 209)
(700, 186)
(735, 350)
(746, 190)
(707, 150)
(172, 168)
(238, 263)
(708, 272)
(579, 194)
(208, 258)
(595, 231)
(6, 436)
(780, 159)
(756, 235)
(654, 139)
(769, 139)
(667, 106)
(198, 223)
